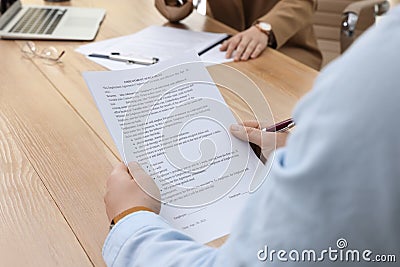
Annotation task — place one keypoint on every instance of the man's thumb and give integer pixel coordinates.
(244, 133)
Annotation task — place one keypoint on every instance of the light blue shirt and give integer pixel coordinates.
(337, 181)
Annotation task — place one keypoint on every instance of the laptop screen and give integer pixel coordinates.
(5, 4)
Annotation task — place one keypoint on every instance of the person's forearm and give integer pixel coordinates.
(145, 239)
(287, 17)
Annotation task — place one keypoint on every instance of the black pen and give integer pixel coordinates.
(127, 59)
(214, 45)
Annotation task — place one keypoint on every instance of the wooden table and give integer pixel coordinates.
(56, 153)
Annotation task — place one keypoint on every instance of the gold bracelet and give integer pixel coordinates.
(127, 212)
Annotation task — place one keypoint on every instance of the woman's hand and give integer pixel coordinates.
(246, 44)
(174, 13)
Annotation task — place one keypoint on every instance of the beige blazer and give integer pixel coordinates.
(291, 22)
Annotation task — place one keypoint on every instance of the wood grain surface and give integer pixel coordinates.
(56, 153)
(33, 231)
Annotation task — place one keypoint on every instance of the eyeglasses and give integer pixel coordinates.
(49, 54)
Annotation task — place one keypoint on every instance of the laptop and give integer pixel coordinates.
(48, 22)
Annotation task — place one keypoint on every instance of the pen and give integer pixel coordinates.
(127, 59)
(214, 45)
(280, 127)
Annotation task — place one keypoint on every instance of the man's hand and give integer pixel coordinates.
(248, 44)
(123, 192)
(250, 131)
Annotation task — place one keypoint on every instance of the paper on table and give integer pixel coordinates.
(155, 41)
(175, 125)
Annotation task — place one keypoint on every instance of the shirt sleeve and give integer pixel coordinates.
(336, 179)
(144, 237)
(288, 17)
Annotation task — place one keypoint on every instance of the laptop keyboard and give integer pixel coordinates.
(38, 21)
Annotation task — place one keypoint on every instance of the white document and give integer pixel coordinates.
(155, 41)
(172, 119)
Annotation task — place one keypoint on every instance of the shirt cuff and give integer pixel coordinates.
(127, 227)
